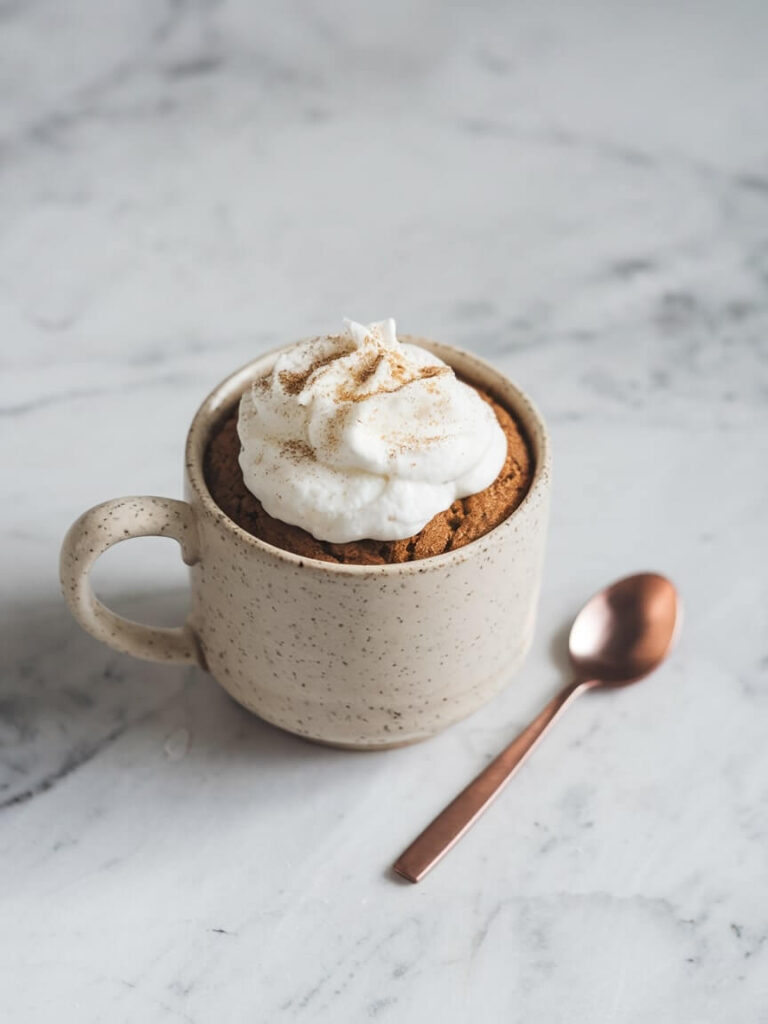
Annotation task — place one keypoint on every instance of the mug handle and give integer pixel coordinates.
(99, 529)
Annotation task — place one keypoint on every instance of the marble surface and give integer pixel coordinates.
(579, 192)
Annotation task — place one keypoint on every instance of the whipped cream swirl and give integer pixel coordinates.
(359, 435)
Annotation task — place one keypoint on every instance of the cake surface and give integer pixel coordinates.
(466, 520)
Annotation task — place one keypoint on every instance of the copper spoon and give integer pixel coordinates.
(620, 635)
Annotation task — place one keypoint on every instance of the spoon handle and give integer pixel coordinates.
(451, 824)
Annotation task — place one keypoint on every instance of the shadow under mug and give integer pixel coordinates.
(357, 656)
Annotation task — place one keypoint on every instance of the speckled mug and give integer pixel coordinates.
(350, 655)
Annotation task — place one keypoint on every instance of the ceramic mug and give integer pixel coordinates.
(355, 656)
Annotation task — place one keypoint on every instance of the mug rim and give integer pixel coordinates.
(220, 398)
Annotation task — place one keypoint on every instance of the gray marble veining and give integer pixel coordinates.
(580, 194)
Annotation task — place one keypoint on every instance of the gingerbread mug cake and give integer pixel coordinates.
(364, 522)
(361, 449)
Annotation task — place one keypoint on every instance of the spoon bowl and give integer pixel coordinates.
(626, 630)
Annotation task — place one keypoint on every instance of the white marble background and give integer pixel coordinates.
(580, 193)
